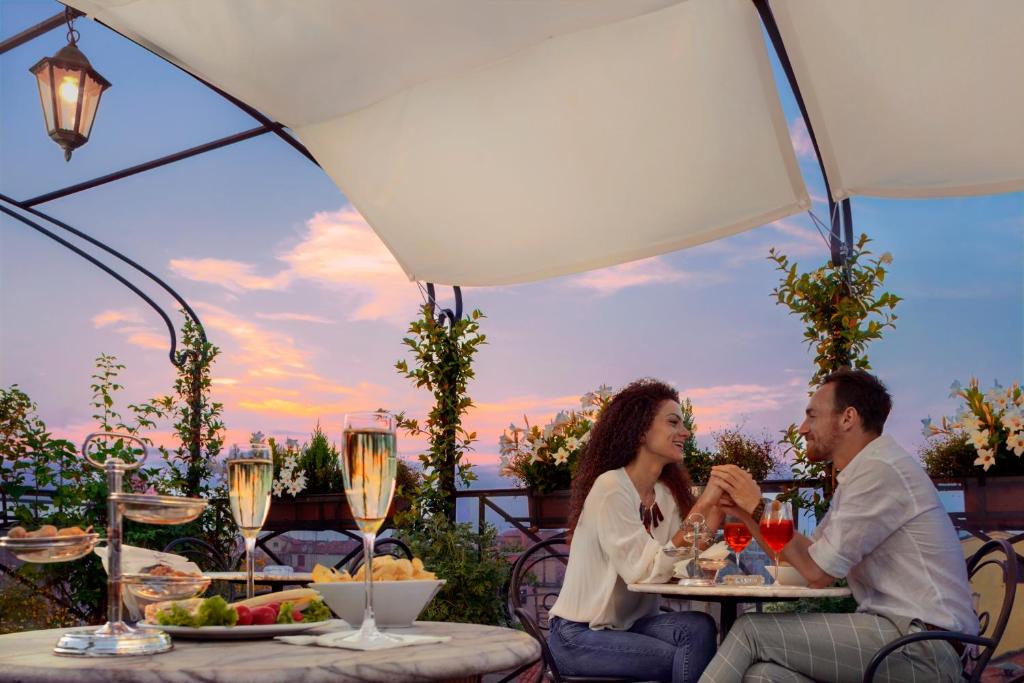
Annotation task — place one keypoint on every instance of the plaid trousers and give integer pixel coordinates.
(833, 648)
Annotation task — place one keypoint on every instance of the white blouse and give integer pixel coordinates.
(611, 548)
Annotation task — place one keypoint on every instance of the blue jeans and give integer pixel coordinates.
(670, 646)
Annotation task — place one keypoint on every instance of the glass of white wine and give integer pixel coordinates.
(250, 479)
(369, 462)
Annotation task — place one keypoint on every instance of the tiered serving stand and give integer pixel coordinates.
(116, 638)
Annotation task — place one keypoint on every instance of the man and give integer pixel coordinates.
(886, 533)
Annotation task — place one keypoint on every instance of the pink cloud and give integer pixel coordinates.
(801, 139)
(341, 251)
(651, 271)
(720, 406)
(111, 316)
(234, 276)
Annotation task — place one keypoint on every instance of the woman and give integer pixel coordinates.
(629, 497)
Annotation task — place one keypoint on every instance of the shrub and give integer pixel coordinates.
(756, 455)
(951, 455)
(475, 570)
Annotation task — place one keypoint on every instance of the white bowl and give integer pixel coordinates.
(788, 575)
(395, 603)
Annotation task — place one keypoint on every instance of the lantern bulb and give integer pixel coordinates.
(69, 89)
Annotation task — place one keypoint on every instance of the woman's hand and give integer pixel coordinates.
(738, 485)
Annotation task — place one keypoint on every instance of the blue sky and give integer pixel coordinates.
(309, 309)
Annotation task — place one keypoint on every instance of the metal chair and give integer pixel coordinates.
(382, 546)
(202, 553)
(534, 587)
(995, 553)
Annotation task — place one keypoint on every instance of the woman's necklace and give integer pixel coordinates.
(651, 516)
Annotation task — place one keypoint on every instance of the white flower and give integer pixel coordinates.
(588, 399)
(572, 443)
(535, 458)
(998, 400)
(504, 443)
(985, 458)
(526, 446)
(926, 430)
(561, 456)
(970, 421)
(1013, 420)
(979, 439)
(955, 388)
(585, 438)
(278, 487)
(1015, 442)
(562, 418)
(257, 438)
(549, 430)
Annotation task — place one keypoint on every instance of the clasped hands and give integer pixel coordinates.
(732, 490)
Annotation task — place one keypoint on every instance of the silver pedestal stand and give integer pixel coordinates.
(115, 638)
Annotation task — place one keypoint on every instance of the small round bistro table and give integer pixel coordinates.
(730, 597)
(473, 650)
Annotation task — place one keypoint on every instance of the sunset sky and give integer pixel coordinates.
(309, 308)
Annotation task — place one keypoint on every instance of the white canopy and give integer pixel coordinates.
(915, 98)
(491, 142)
(500, 141)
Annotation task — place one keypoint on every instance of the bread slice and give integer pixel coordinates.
(299, 597)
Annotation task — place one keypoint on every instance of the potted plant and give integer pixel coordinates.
(543, 459)
(308, 490)
(990, 427)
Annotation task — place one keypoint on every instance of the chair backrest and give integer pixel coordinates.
(383, 546)
(999, 554)
(199, 551)
(537, 579)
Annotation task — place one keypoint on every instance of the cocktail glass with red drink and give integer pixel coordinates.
(777, 528)
(738, 536)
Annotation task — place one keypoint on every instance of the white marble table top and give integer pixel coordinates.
(261, 577)
(754, 593)
(28, 658)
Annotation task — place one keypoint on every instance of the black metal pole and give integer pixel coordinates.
(43, 27)
(772, 29)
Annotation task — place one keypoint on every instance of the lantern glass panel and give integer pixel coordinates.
(43, 79)
(68, 83)
(90, 102)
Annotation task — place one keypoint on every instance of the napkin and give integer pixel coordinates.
(134, 559)
(718, 551)
(335, 639)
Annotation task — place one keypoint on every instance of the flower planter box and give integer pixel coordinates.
(994, 502)
(550, 510)
(317, 512)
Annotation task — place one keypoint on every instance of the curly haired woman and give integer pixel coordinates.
(629, 497)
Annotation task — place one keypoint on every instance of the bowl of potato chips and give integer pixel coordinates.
(401, 589)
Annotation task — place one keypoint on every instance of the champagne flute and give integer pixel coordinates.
(369, 462)
(250, 479)
(777, 528)
(738, 536)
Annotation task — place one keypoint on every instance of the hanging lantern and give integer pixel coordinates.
(69, 90)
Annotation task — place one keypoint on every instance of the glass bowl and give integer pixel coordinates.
(150, 509)
(50, 549)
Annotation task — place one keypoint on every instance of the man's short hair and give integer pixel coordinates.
(865, 393)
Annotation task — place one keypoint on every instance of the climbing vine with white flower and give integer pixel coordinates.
(993, 421)
(543, 459)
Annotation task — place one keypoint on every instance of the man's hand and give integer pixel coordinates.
(738, 485)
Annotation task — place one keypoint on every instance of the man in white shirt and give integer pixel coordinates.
(886, 532)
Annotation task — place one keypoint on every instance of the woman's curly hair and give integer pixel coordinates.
(615, 441)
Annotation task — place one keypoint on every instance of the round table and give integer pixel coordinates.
(472, 651)
(730, 597)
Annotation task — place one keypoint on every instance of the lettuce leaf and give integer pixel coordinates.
(317, 611)
(215, 611)
(175, 615)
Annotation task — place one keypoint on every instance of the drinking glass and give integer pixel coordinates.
(777, 528)
(369, 462)
(696, 532)
(737, 535)
(250, 479)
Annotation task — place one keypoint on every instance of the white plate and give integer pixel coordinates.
(237, 632)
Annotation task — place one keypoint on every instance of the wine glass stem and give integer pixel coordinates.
(738, 566)
(250, 566)
(369, 623)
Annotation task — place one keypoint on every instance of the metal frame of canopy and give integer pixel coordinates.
(840, 214)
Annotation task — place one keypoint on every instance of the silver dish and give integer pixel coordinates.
(156, 588)
(50, 549)
(149, 509)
